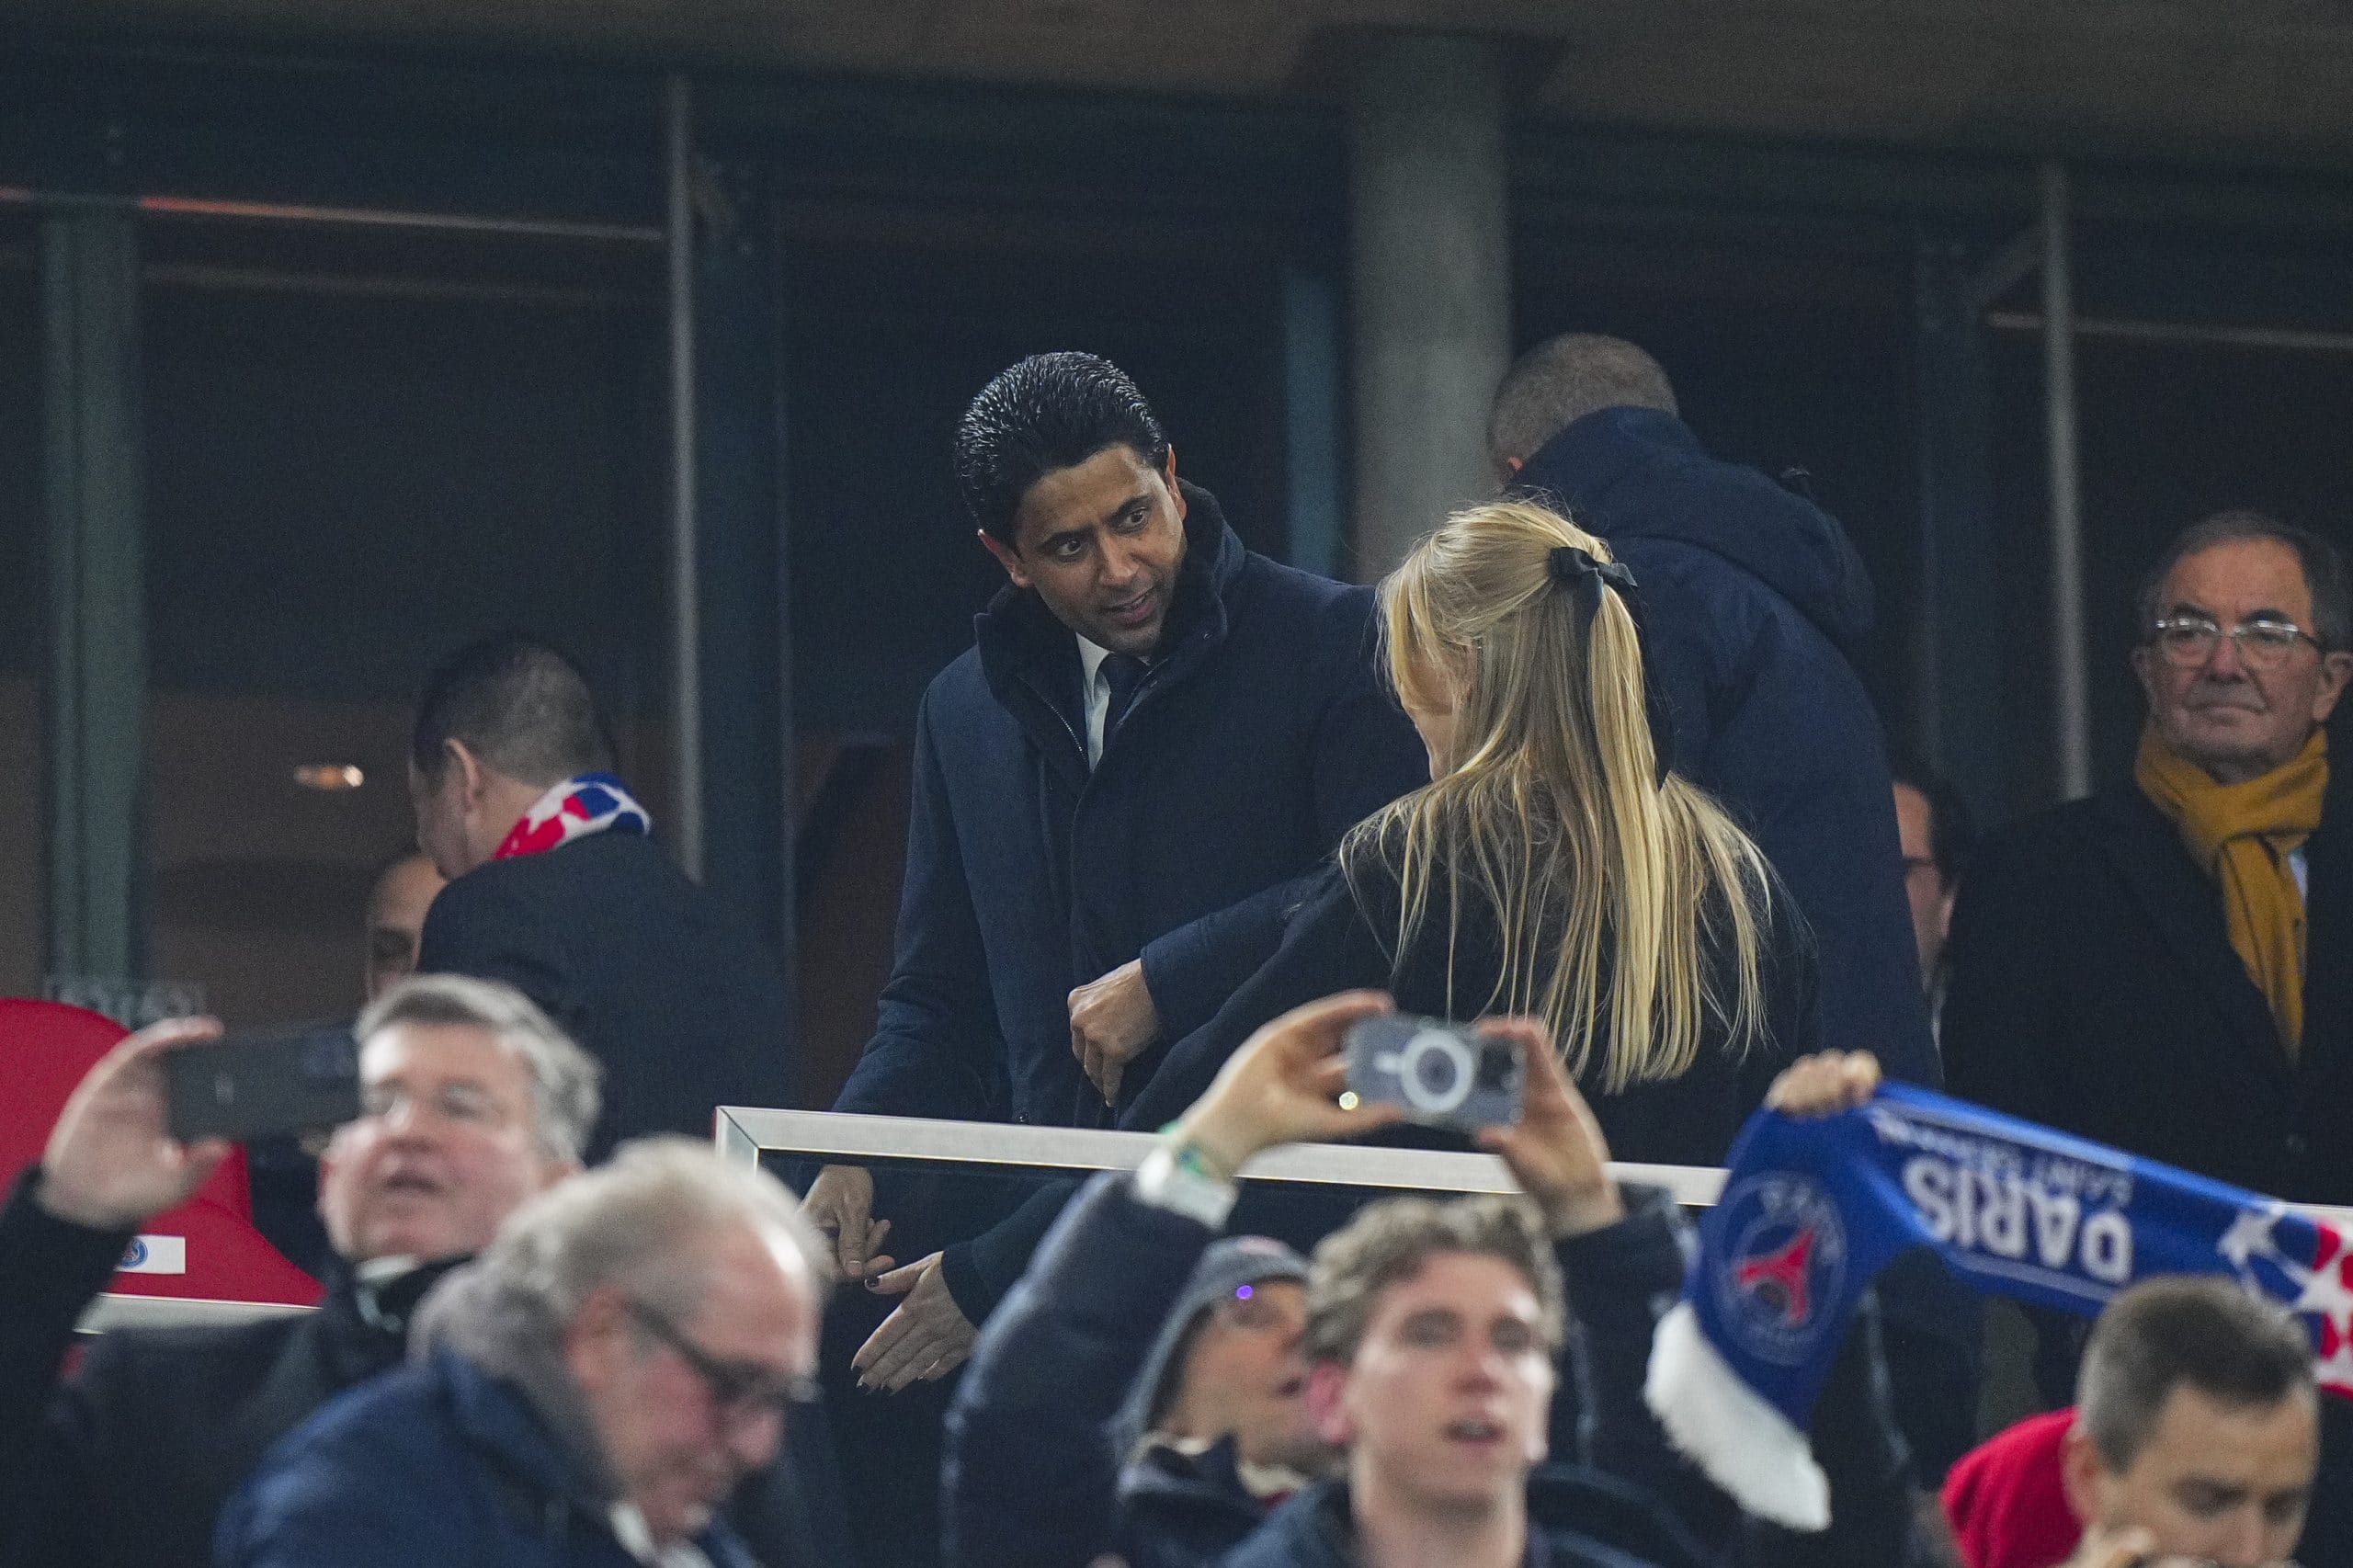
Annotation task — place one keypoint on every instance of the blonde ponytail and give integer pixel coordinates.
(1609, 888)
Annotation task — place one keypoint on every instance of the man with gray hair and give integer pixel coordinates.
(2197, 1428)
(472, 1102)
(587, 1394)
(2131, 967)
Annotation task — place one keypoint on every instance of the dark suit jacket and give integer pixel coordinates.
(649, 973)
(1259, 736)
(2093, 989)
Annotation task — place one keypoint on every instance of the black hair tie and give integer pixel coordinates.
(1583, 576)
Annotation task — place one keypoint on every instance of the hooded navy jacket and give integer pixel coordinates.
(1755, 603)
(1259, 737)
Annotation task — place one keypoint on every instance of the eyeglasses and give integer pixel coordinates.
(2188, 641)
(463, 1102)
(741, 1390)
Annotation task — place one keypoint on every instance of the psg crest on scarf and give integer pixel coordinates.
(1788, 1260)
(1813, 1210)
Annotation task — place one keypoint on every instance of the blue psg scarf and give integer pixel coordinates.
(1813, 1209)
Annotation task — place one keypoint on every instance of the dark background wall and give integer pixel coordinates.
(367, 443)
(890, 342)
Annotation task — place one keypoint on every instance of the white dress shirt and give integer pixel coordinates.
(1097, 687)
(630, 1531)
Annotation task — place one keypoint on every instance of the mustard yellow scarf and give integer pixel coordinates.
(2241, 835)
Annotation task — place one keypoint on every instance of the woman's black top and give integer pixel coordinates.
(1340, 938)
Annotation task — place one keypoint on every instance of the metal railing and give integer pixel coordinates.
(111, 1310)
(749, 1134)
(745, 1134)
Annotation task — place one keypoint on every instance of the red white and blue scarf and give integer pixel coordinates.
(594, 802)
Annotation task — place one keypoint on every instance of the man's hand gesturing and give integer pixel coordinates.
(111, 1160)
(926, 1336)
(1112, 1021)
(841, 1204)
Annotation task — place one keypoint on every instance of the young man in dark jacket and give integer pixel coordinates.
(1045, 1468)
(1155, 736)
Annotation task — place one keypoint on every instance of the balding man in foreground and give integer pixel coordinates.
(589, 1393)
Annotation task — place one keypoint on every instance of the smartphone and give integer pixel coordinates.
(263, 1085)
(1444, 1075)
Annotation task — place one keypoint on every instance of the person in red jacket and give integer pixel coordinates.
(2197, 1435)
(2004, 1498)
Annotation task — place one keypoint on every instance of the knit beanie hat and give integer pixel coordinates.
(1228, 1268)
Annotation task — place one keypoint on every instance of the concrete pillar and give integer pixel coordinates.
(1958, 704)
(96, 680)
(1314, 417)
(1430, 267)
(732, 600)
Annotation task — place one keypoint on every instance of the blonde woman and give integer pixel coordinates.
(1554, 864)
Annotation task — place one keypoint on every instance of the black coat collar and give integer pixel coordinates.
(363, 1328)
(2144, 846)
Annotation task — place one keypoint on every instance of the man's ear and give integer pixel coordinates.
(1006, 557)
(459, 764)
(1327, 1384)
(2080, 1474)
(2143, 671)
(329, 1157)
(2334, 669)
(597, 1339)
(1169, 472)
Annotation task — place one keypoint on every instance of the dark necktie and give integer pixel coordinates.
(1122, 673)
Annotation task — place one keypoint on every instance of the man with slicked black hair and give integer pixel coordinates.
(1155, 734)
(557, 887)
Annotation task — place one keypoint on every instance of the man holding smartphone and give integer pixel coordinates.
(471, 1101)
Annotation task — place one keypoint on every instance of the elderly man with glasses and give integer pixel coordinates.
(2164, 966)
(587, 1395)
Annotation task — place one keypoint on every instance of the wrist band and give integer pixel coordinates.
(1178, 1177)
